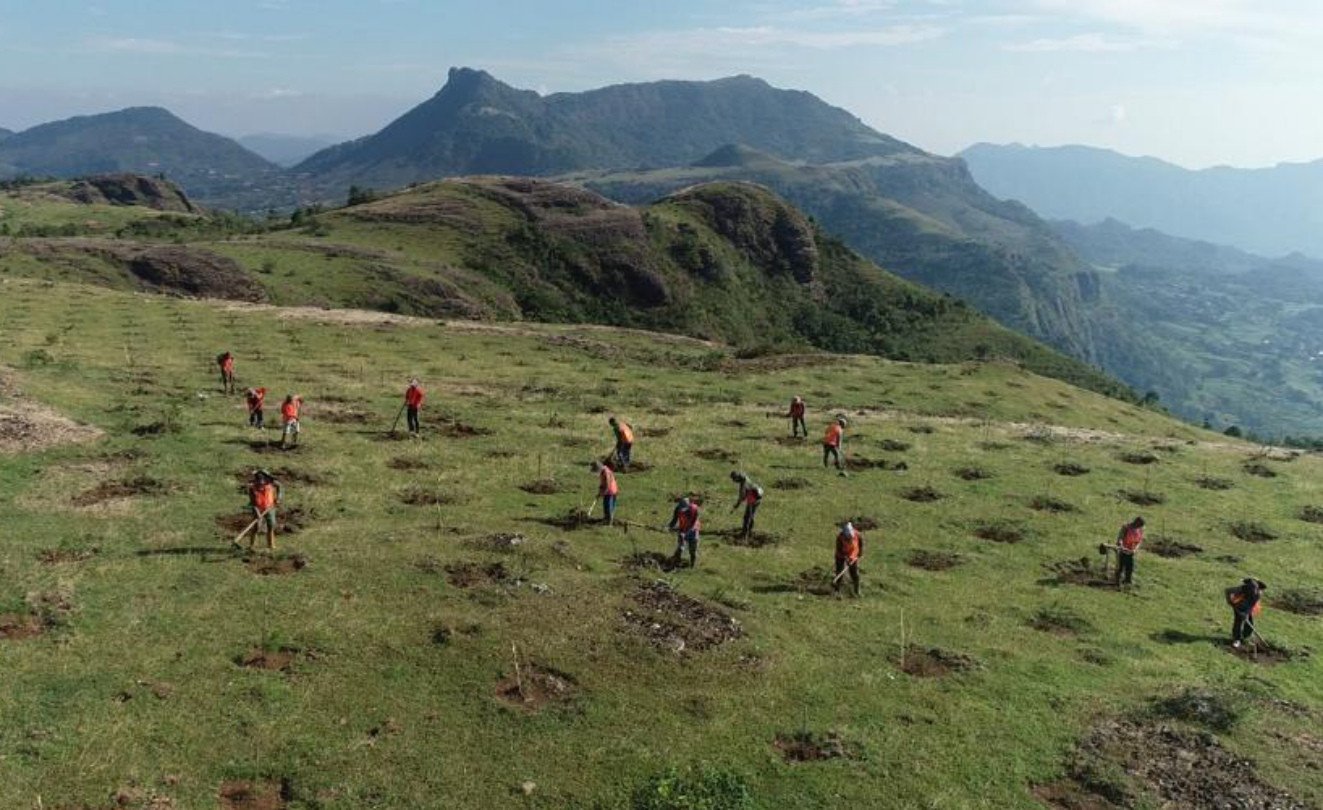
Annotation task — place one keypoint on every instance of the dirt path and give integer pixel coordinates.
(27, 426)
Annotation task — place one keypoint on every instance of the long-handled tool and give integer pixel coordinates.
(250, 527)
(1103, 549)
(396, 423)
(626, 525)
(841, 573)
(593, 505)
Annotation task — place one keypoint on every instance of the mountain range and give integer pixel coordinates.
(1272, 211)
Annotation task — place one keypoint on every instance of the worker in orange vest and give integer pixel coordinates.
(226, 363)
(751, 495)
(686, 524)
(831, 443)
(796, 414)
(264, 495)
(289, 415)
(413, 403)
(608, 489)
(849, 548)
(624, 441)
(1245, 600)
(1128, 541)
(255, 398)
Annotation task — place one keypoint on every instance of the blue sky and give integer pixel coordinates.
(1198, 82)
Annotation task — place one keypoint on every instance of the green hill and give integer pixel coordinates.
(438, 629)
(727, 261)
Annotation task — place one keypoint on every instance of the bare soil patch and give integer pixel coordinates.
(1141, 497)
(419, 496)
(281, 565)
(503, 542)
(1213, 484)
(863, 523)
(635, 466)
(1312, 514)
(653, 432)
(855, 463)
(1252, 531)
(284, 475)
(1138, 458)
(1047, 503)
(934, 663)
(277, 660)
(542, 486)
(573, 520)
(1060, 621)
(972, 474)
(649, 561)
(934, 560)
(28, 427)
(805, 746)
(893, 446)
(57, 556)
(459, 430)
(1000, 532)
(533, 687)
(126, 488)
(20, 626)
(673, 621)
(341, 416)
(924, 494)
(1300, 602)
(755, 540)
(475, 574)
(1071, 469)
(1078, 572)
(288, 521)
(717, 454)
(1171, 548)
(245, 795)
(407, 464)
(790, 440)
(1259, 470)
(790, 484)
(1265, 653)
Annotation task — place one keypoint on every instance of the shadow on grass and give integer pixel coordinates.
(207, 553)
(1170, 636)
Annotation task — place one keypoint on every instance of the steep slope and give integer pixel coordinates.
(143, 140)
(1275, 210)
(478, 125)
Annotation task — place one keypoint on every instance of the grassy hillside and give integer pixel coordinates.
(728, 261)
(420, 657)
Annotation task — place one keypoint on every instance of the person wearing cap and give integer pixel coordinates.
(264, 496)
(1246, 601)
(289, 415)
(751, 495)
(831, 443)
(624, 441)
(849, 548)
(686, 524)
(796, 414)
(413, 403)
(1128, 541)
(255, 399)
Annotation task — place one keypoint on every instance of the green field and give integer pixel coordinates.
(406, 668)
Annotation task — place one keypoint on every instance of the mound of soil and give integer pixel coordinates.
(790, 440)
(473, 574)
(1047, 503)
(893, 446)
(1252, 532)
(55, 556)
(650, 561)
(533, 687)
(788, 484)
(1071, 469)
(417, 496)
(934, 560)
(459, 430)
(245, 795)
(1141, 498)
(673, 621)
(1139, 458)
(542, 486)
(1300, 602)
(1129, 763)
(1079, 572)
(407, 464)
(500, 541)
(194, 272)
(1171, 548)
(1000, 532)
(756, 540)
(1059, 621)
(934, 663)
(276, 566)
(284, 475)
(572, 520)
(1214, 484)
(127, 488)
(805, 746)
(861, 463)
(923, 494)
(1263, 652)
(279, 660)
(1312, 514)
(1259, 470)
(971, 474)
(19, 626)
(717, 454)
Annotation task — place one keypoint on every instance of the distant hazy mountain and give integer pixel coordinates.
(5, 133)
(1113, 244)
(1272, 211)
(284, 150)
(478, 125)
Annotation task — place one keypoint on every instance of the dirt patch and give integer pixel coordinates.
(790, 440)
(805, 746)
(1138, 458)
(893, 446)
(790, 484)
(1130, 763)
(284, 475)
(934, 560)
(1070, 469)
(650, 561)
(29, 427)
(635, 466)
(57, 556)
(653, 432)
(1214, 484)
(1060, 621)
(923, 430)
(1141, 497)
(533, 687)
(1264, 652)
(288, 521)
(757, 539)
(863, 523)
(860, 463)
(1259, 470)
(245, 795)
(459, 430)
(1252, 532)
(1312, 514)
(474, 574)
(717, 454)
(113, 490)
(1047, 503)
(282, 565)
(341, 416)
(407, 464)
(278, 660)
(1001, 532)
(542, 486)
(1078, 572)
(1212, 710)
(923, 494)
(934, 663)
(573, 520)
(418, 496)
(20, 626)
(673, 621)
(504, 542)
(1170, 548)
(972, 474)
(1300, 602)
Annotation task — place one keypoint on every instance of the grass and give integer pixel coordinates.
(391, 695)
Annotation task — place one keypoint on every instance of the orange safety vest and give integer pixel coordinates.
(290, 410)
(413, 396)
(626, 433)
(688, 519)
(833, 437)
(263, 496)
(849, 546)
(608, 485)
(257, 399)
(1237, 598)
(1131, 539)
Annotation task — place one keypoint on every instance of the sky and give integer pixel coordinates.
(1195, 82)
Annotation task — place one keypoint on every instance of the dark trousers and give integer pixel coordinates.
(750, 512)
(623, 452)
(1125, 568)
(411, 414)
(796, 425)
(841, 565)
(609, 508)
(828, 452)
(227, 382)
(690, 539)
(255, 419)
(1242, 626)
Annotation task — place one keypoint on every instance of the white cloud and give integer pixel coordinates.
(1087, 43)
